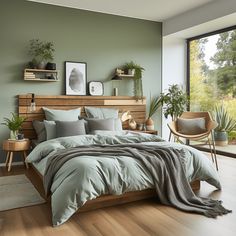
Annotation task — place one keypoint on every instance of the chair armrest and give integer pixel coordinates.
(211, 125)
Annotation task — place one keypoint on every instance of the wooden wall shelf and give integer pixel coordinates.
(41, 75)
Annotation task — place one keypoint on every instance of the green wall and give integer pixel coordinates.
(103, 41)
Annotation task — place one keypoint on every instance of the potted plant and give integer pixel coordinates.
(137, 72)
(225, 125)
(41, 51)
(155, 103)
(174, 101)
(14, 124)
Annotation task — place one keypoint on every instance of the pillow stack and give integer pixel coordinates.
(63, 123)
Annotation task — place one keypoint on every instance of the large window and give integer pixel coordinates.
(212, 76)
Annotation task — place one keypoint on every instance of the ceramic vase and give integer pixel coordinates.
(149, 124)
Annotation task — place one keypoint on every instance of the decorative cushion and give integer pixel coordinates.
(70, 128)
(50, 127)
(40, 130)
(117, 124)
(62, 115)
(191, 126)
(100, 124)
(101, 113)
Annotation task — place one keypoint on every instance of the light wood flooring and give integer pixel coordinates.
(140, 218)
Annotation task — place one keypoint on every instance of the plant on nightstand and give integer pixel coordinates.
(42, 53)
(14, 124)
(155, 103)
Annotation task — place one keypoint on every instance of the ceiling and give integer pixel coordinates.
(155, 10)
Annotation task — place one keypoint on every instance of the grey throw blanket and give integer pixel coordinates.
(164, 164)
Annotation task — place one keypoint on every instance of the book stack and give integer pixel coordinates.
(29, 75)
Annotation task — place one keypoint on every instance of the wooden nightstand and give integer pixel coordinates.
(11, 146)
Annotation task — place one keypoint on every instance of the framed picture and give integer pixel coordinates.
(76, 78)
(95, 88)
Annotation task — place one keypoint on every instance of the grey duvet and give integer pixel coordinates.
(87, 176)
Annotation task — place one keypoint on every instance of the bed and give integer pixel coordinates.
(89, 181)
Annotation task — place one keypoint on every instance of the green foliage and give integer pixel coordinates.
(138, 85)
(225, 122)
(41, 51)
(225, 60)
(14, 123)
(174, 101)
(155, 103)
(232, 135)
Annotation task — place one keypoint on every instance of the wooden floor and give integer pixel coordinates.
(140, 218)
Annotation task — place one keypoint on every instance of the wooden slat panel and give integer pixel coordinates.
(123, 103)
(24, 109)
(28, 96)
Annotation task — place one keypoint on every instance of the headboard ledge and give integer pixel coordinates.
(63, 102)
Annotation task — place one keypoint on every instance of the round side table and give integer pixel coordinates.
(11, 146)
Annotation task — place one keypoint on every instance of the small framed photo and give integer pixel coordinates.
(76, 78)
(95, 88)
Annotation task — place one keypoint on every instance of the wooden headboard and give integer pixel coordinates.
(123, 103)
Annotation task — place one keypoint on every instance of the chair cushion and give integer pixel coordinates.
(191, 126)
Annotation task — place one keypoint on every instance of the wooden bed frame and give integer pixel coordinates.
(123, 103)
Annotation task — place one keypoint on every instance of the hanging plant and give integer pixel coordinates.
(137, 75)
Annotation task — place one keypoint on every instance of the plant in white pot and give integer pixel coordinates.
(42, 52)
(155, 103)
(225, 125)
(14, 124)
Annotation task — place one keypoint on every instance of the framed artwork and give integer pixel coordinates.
(95, 88)
(76, 78)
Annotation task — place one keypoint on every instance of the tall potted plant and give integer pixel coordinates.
(225, 125)
(174, 101)
(41, 51)
(14, 124)
(137, 72)
(155, 103)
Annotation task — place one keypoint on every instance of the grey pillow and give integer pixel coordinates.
(62, 115)
(70, 128)
(101, 113)
(117, 124)
(100, 124)
(50, 127)
(191, 126)
(40, 130)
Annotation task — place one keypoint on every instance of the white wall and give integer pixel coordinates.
(174, 61)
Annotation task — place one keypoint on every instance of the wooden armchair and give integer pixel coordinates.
(207, 134)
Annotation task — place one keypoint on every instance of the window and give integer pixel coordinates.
(212, 77)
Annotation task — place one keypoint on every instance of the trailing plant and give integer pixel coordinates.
(138, 86)
(174, 101)
(14, 123)
(222, 117)
(41, 50)
(155, 103)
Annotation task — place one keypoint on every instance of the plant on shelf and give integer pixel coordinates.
(42, 52)
(174, 101)
(155, 103)
(14, 124)
(225, 125)
(137, 72)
